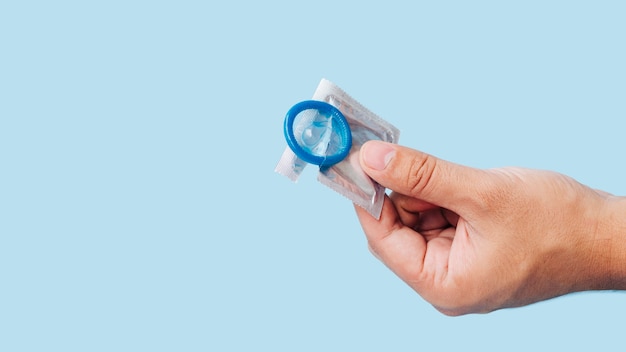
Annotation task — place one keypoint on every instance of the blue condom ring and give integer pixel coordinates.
(337, 148)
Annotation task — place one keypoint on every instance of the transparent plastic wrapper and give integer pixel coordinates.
(320, 138)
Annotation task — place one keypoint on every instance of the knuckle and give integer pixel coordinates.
(420, 175)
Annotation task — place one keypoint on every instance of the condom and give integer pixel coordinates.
(317, 133)
(329, 131)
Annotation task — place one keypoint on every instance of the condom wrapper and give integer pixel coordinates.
(316, 133)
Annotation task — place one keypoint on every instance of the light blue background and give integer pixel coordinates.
(139, 210)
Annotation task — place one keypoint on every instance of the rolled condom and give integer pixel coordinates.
(345, 176)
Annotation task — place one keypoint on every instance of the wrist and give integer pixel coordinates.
(610, 245)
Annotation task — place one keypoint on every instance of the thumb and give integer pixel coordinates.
(423, 176)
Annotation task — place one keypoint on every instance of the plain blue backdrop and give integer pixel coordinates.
(139, 210)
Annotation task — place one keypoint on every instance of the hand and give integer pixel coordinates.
(473, 241)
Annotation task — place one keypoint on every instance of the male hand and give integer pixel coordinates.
(470, 240)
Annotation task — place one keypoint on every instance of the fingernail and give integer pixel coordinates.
(377, 155)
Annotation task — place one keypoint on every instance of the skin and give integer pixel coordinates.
(474, 241)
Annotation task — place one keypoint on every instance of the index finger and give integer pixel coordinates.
(399, 247)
